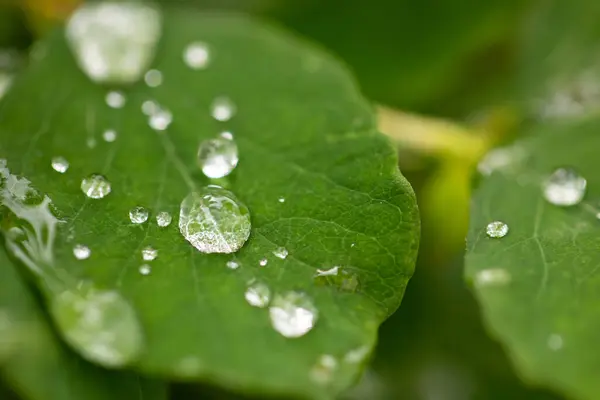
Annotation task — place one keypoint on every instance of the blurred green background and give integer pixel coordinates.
(479, 65)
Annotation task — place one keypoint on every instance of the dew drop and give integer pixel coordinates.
(232, 264)
(150, 107)
(90, 142)
(555, 342)
(565, 187)
(281, 252)
(222, 109)
(213, 220)
(153, 78)
(101, 325)
(292, 314)
(115, 99)
(114, 42)
(138, 215)
(322, 371)
(218, 157)
(196, 55)
(145, 269)
(160, 119)
(496, 229)
(339, 277)
(258, 295)
(95, 186)
(109, 135)
(81, 252)
(149, 253)
(492, 276)
(163, 219)
(281, 200)
(60, 164)
(263, 262)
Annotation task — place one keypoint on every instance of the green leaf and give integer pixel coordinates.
(304, 134)
(538, 285)
(38, 366)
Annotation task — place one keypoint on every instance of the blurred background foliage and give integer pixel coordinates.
(466, 75)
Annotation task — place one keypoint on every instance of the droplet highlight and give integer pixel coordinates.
(258, 295)
(138, 215)
(95, 186)
(196, 55)
(60, 164)
(293, 314)
(263, 262)
(81, 252)
(232, 264)
(163, 219)
(281, 252)
(496, 229)
(145, 269)
(149, 253)
(218, 157)
(565, 187)
(115, 99)
(160, 120)
(223, 109)
(109, 135)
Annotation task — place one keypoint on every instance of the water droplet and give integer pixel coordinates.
(149, 253)
(232, 264)
(60, 164)
(95, 186)
(196, 55)
(222, 109)
(565, 187)
(322, 371)
(90, 142)
(114, 42)
(138, 215)
(218, 157)
(258, 295)
(115, 99)
(292, 314)
(281, 200)
(281, 252)
(150, 107)
(153, 78)
(109, 135)
(496, 229)
(213, 220)
(492, 276)
(81, 252)
(145, 269)
(163, 219)
(338, 277)
(357, 355)
(101, 325)
(160, 119)
(555, 342)
(263, 262)
(501, 159)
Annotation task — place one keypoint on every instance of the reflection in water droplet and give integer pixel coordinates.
(293, 314)
(281, 200)
(149, 253)
(101, 325)
(213, 220)
(281, 252)
(263, 262)
(492, 276)
(339, 277)
(163, 219)
(145, 269)
(60, 164)
(196, 55)
(222, 109)
(496, 229)
(81, 252)
(555, 342)
(114, 42)
(95, 186)
(115, 99)
(109, 135)
(258, 295)
(232, 264)
(218, 157)
(322, 371)
(153, 78)
(160, 119)
(565, 187)
(138, 215)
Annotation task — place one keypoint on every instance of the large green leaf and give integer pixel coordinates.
(538, 286)
(304, 134)
(39, 367)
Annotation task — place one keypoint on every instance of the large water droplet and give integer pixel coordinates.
(109, 135)
(338, 277)
(196, 55)
(258, 295)
(101, 325)
(95, 186)
(218, 157)
(565, 187)
(213, 220)
(60, 164)
(222, 109)
(114, 42)
(149, 253)
(81, 252)
(153, 78)
(163, 219)
(496, 229)
(293, 314)
(138, 215)
(115, 99)
(281, 252)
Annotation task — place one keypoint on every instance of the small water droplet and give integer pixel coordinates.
(232, 264)
(339, 277)
(565, 187)
(90, 142)
(138, 215)
(263, 262)
(81, 252)
(160, 119)
(222, 109)
(153, 78)
(163, 219)
(258, 295)
(145, 269)
(218, 157)
(109, 135)
(115, 99)
(492, 276)
(95, 186)
(292, 314)
(322, 371)
(60, 164)
(196, 55)
(149, 253)
(213, 220)
(281, 200)
(555, 342)
(150, 107)
(496, 229)
(281, 252)
(357, 355)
